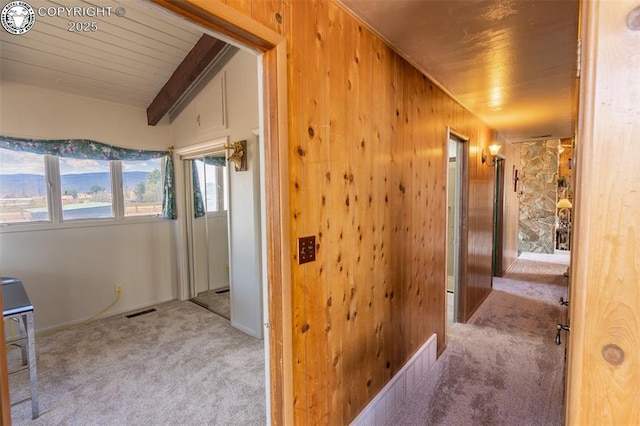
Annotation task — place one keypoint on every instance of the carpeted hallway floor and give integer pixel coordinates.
(180, 365)
(502, 367)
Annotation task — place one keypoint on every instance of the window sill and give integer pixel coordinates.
(77, 223)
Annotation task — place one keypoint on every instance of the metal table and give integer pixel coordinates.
(16, 304)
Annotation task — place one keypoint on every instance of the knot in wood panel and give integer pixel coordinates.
(633, 19)
(613, 354)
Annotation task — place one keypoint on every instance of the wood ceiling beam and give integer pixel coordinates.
(196, 61)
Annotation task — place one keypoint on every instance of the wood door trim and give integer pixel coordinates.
(228, 21)
(463, 165)
(498, 243)
(603, 348)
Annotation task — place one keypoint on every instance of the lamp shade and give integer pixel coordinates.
(564, 204)
(494, 149)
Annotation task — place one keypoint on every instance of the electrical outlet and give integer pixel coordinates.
(118, 289)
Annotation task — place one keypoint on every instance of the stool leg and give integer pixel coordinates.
(33, 374)
(22, 329)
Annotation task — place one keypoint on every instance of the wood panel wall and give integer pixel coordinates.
(367, 173)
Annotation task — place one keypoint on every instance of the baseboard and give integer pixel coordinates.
(251, 332)
(111, 313)
(466, 320)
(385, 404)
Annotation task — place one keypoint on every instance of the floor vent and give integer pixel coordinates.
(222, 291)
(137, 314)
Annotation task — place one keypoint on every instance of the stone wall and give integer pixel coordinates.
(538, 185)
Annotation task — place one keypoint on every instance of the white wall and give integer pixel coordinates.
(38, 113)
(70, 274)
(240, 118)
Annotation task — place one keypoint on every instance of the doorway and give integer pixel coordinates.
(274, 184)
(498, 213)
(457, 173)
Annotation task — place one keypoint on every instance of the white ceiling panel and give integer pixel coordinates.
(127, 60)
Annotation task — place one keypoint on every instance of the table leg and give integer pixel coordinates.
(33, 374)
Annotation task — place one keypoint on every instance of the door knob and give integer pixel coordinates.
(561, 327)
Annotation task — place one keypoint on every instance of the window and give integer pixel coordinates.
(213, 185)
(142, 187)
(37, 188)
(85, 189)
(23, 187)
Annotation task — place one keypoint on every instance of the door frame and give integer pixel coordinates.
(603, 347)
(185, 240)
(462, 205)
(498, 219)
(243, 30)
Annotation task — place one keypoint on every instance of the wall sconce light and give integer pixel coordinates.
(493, 150)
(564, 203)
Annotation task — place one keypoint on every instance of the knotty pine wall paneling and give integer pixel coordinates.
(367, 172)
(269, 13)
(367, 161)
(480, 222)
(310, 184)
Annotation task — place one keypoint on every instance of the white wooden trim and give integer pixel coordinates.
(387, 402)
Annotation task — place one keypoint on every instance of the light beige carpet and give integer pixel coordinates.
(180, 365)
(503, 367)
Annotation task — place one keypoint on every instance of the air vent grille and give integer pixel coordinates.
(137, 314)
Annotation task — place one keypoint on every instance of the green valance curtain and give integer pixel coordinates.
(88, 149)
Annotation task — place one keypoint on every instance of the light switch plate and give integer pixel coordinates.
(306, 249)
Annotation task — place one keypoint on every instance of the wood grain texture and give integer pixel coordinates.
(605, 270)
(278, 261)
(367, 173)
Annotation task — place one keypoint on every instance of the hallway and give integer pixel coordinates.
(503, 366)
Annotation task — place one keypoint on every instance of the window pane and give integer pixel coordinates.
(23, 187)
(142, 183)
(211, 184)
(85, 186)
(225, 188)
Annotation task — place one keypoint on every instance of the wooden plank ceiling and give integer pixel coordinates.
(513, 63)
(127, 60)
